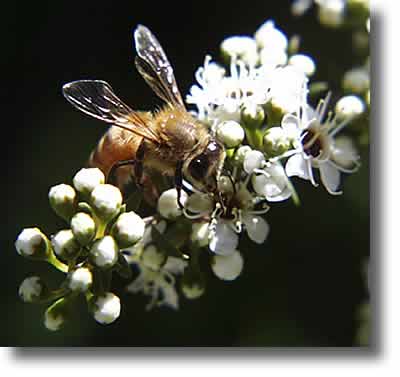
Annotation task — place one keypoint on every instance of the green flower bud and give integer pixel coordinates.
(128, 229)
(252, 116)
(275, 142)
(32, 243)
(104, 252)
(83, 227)
(63, 200)
(230, 133)
(65, 244)
(106, 200)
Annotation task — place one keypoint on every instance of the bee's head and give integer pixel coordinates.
(203, 169)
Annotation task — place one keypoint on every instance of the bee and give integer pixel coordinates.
(169, 141)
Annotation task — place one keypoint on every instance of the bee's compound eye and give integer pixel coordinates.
(198, 167)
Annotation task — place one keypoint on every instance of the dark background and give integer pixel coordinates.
(303, 288)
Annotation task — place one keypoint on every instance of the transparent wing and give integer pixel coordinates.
(153, 65)
(97, 99)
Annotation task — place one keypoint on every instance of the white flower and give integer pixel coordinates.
(83, 227)
(304, 63)
(63, 199)
(128, 229)
(227, 267)
(272, 183)
(241, 47)
(31, 289)
(158, 284)
(106, 308)
(80, 279)
(31, 242)
(230, 133)
(314, 146)
(87, 179)
(106, 200)
(65, 244)
(168, 206)
(104, 252)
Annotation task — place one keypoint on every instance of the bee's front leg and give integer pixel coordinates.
(179, 182)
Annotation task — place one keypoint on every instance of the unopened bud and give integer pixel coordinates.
(106, 200)
(349, 106)
(230, 133)
(128, 229)
(242, 47)
(80, 279)
(275, 142)
(104, 252)
(356, 80)
(87, 179)
(105, 308)
(63, 200)
(168, 204)
(153, 258)
(55, 315)
(32, 289)
(65, 244)
(83, 227)
(304, 63)
(252, 116)
(32, 243)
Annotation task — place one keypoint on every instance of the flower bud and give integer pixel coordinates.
(230, 133)
(253, 160)
(304, 63)
(105, 308)
(153, 258)
(106, 200)
(227, 267)
(104, 252)
(356, 80)
(268, 36)
(32, 243)
(87, 179)
(128, 229)
(168, 204)
(55, 315)
(80, 279)
(200, 234)
(199, 203)
(349, 106)
(241, 47)
(275, 142)
(252, 116)
(32, 289)
(331, 13)
(63, 200)
(83, 227)
(65, 244)
(240, 154)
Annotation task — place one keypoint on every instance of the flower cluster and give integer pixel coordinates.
(88, 252)
(258, 107)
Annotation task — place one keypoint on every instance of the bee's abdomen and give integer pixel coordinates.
(115, 145)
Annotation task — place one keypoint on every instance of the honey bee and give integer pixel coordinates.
(169, 141)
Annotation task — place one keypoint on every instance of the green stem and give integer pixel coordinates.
(56, 263)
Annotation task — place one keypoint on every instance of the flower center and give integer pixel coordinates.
(312, 144)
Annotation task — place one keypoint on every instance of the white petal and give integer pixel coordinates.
(257, 228)
(227, 267)
(330, 177)
(291, 125)
(297, 166)
(224, 240)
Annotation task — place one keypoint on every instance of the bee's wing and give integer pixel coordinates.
(96, 98)
(153, 65)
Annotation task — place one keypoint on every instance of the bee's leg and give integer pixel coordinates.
(178, 181)
(138, 166)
